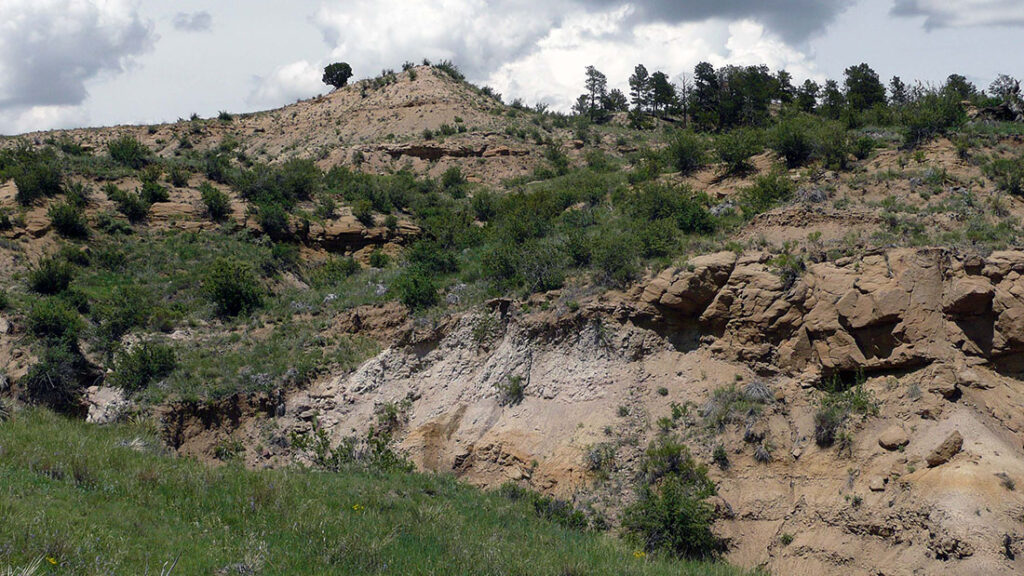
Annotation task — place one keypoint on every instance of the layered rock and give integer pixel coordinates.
(889, 310)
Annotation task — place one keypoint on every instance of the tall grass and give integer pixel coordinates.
(95, 500)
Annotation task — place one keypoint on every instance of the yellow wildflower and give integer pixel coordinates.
(357, 508)
(639, 554)
(51, 560)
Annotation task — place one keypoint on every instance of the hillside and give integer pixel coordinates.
(829, 313)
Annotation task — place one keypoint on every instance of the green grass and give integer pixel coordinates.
(108, 501)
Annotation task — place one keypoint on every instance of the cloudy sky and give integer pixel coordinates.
(66, 63)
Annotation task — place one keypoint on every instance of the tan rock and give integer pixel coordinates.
(894, 438)
(943, 381)
(968, 296)
(877, 484)
(949, 448)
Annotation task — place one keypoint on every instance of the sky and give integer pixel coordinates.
(71, 63)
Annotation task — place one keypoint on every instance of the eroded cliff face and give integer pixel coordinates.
(938, 338)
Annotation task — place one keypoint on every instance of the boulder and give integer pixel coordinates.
(950, 447)
(877, 484)
(894, 438)
(943, 382)
(105, 404)
(968, 297)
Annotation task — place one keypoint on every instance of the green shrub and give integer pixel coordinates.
(37, 175)
(142, 365)
(378, 259)
(218, 204)
(863, 147)
(131, 204)
(416, 289)
(686, 152)
(152, 192)
(511, 391)
(839, 403)
(736, 148)
(273, 220)
(453, 181)
(178, 176)
(55, 379)
(671, 514)
(793, 140)
(363, 211)
(53, 320)
(931, 115)
(78, 195)
(68, 220)
(832, 146)
(232, 287)
(767, 191)
(126, 308)
(1007, 174)
(129, 152)
(51, 276)
(333, 271)
(614, 255)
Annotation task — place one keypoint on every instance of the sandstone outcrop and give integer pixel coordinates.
(899, 309)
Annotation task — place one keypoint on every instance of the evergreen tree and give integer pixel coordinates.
(863, 88)
(640, 89)
(597, 90)
(832, 101)
(807, 95)
(615, 101)
(898, 94)
(705, 97)
(663, 94)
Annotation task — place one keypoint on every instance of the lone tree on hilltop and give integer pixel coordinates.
(337, 74)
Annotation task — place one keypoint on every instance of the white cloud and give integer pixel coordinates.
(949, 14)
(554, 72)
(287, 84)
(200, 21)
(50, 50)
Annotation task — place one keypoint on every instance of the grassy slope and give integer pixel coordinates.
(105, 501)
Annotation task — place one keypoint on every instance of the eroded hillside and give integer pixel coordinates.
(839, 340)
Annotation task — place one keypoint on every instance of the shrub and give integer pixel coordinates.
(767, 191)
(931, 115)
(78, 195)
(792, 139)
(1007, 174)
(37, 175)
(416, 288)
(671, 513)
(131, 204)
(143, 364)
(178, 176)
(453, 181)
(218, 204)
(152, 192)
(378, 259)
(837, 406)
(51, 276)
(53, 320)
(686, 152)
(736, 148)
(511, 391)
(129, 152)
(333, 271)
(232, 287)
(127, 307)
(614, 255)
(273, 220)
(68, 220)
(55, 380)
(863, 146)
